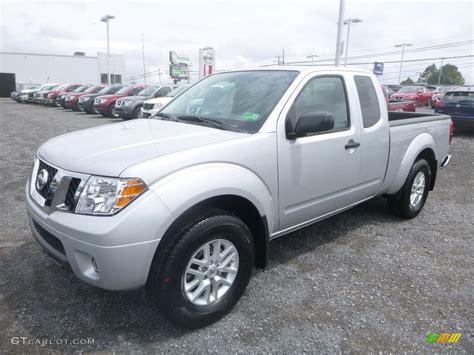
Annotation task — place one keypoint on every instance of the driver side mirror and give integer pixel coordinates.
(312, 123)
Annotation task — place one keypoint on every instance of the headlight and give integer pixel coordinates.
(157, 106)
(101, 101)
(126, 103)
(86, 98)
(106, 196)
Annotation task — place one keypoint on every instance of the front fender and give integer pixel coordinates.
(420, 143)
(187, 187)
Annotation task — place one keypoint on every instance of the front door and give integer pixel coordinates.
(319, 174)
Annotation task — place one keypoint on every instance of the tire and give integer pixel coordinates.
(401, 204)
(168, 273)
(112, 113)
(136, 112)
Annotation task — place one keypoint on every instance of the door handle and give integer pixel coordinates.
(352, 144)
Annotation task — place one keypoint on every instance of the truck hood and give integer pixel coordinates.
(134, 98)
(111, 96)
(109, 149)
(403, 94)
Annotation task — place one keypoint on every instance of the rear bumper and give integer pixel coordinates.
(113, 253)
(463, 121)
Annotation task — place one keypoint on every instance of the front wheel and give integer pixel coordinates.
(203, 270)
(112, 112)
(409, 201)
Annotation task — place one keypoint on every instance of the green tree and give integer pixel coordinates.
(407, 81)
(450, 75)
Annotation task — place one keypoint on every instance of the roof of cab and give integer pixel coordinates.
(304, 69)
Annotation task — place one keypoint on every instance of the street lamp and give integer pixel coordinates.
(348, 23)
(402, 45)
(312, 56)
(107, 19)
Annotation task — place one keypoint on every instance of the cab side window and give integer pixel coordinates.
(322, 94)
(369, 103)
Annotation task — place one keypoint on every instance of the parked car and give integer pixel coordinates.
(439, 93)
(15, 95)
(459, 104)
(37, 97)
(186, 204)
(71, 100)
(130, 106)
(419, 94)
(151, 107)
(61, 98)
(86, 102)
(394, 88)
(105, 104)
(27, 94)
(51, 98)
(406, 106)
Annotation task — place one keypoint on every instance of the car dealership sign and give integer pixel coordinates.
(207, 61)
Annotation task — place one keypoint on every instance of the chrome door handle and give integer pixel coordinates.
(352, 144)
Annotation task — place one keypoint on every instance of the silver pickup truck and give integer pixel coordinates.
(185, 203)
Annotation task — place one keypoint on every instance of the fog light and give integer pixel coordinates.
(95, 266)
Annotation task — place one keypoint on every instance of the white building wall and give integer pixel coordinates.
(30, 68)
(116, 63)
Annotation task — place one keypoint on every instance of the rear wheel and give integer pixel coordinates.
(409, 201)
(200, 274)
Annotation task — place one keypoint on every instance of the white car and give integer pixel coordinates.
(152, 106)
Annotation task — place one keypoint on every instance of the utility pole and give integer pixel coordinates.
(312, 56)
(402, 45)
(283, 57)
(339, 32)
(144, 68)
(440, 71)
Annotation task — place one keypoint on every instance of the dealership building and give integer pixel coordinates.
(33, 68)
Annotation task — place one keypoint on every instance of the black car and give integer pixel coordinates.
(86, 102)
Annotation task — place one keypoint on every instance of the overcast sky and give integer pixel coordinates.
(244, 33)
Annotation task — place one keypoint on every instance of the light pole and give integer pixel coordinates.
(348, 23)
(402, 45)
(340, 21)
(312, 56)
(107, 19)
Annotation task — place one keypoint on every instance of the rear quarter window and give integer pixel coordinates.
(369, 103)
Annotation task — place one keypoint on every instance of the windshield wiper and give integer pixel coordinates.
(164, 116)
(207, 121)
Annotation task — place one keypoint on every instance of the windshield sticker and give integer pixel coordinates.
(251, 116)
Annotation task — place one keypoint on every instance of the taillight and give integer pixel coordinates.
(451, 132)
(440, 104)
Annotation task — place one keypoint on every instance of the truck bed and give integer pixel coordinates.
(409, 131)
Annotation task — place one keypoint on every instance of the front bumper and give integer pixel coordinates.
(85, 105)
(113, 253)
(125, 111)
(101, 108)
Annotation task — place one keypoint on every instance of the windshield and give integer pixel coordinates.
(237, 101)
(148, 91)
(176, 91)
(81, 88)
(92, 89)
(459, 96)
(444, 90)
(109, 90)
(123, 90)
(408, 89)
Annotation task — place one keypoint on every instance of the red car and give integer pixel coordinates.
(105, 104)
(405, 105)
(52, 96)
(419, 94)
(71, 100)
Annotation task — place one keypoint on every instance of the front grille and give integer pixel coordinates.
(45, 191)
(148, 106)
(69, 200)
(50, 239)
